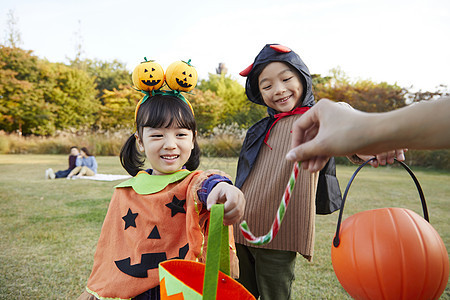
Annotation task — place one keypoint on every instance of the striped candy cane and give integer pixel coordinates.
(262, 240)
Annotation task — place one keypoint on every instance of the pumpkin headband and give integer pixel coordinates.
(148, 77)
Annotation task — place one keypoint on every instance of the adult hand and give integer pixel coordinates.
(322, 132)
(330, 129)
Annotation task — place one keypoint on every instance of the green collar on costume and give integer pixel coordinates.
(144, 183)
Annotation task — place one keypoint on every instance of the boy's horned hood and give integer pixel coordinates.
(271, 53)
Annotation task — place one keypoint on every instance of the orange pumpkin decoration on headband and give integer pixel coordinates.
(181, 76)
(148, 76)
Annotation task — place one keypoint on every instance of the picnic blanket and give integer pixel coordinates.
(104, 177)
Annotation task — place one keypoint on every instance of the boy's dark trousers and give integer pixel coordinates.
(62, 174)
(266, 273)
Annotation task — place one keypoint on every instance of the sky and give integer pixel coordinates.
(404, 42)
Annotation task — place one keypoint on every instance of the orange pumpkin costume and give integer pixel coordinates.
(150, 219)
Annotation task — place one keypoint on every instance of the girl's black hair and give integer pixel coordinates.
(156, 112)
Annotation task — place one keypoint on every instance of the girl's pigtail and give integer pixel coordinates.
(130, 157)
(194, 160)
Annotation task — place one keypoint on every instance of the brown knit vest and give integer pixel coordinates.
(264, 188)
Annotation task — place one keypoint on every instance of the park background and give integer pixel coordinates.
(65, 80)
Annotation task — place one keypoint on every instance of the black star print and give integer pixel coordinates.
(130, 219)
(176, 206)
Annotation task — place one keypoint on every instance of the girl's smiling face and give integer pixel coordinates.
(280, 87)
(167, 149)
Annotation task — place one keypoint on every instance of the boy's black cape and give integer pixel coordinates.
(328, 196)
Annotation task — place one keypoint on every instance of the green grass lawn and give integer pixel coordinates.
(49, 228)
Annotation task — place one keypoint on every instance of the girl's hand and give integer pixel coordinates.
(232, 198)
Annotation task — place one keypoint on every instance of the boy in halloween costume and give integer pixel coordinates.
(160, 213)
(280, 80)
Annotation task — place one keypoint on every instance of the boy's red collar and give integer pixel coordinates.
(278, 117)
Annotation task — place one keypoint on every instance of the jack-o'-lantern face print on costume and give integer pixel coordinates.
(149, 234)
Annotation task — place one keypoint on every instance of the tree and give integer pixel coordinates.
(108, 75)
(72, 95)
(118, 107)
(78, 61)
(236, 109)
(13, 36)
(364, 95)
(426, 95)
(18, 70)
(318, 79)
(208, 109)
(39, 97)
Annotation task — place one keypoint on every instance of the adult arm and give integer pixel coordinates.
(93, 165)
(79, 161)
(329, 129)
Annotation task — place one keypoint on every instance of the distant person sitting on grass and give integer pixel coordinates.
(86, 165)
(74, 152)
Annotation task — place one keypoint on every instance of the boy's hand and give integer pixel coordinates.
(385, 157)
(232, 198)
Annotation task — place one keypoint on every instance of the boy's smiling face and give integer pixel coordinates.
(280, 87)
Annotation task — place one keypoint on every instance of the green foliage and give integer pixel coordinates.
(108, 75)
(208, 109)
(363, 95)
(318, 79)
(43, 98)
(117, 98)
(21, 63)
(17, 69)
(38, 97)
(117, 110)
(71, 92)
(437, 159)
(236, 109)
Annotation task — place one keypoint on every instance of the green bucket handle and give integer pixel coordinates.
(217, 253)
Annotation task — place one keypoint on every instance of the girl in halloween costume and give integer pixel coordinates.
(161, 213)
